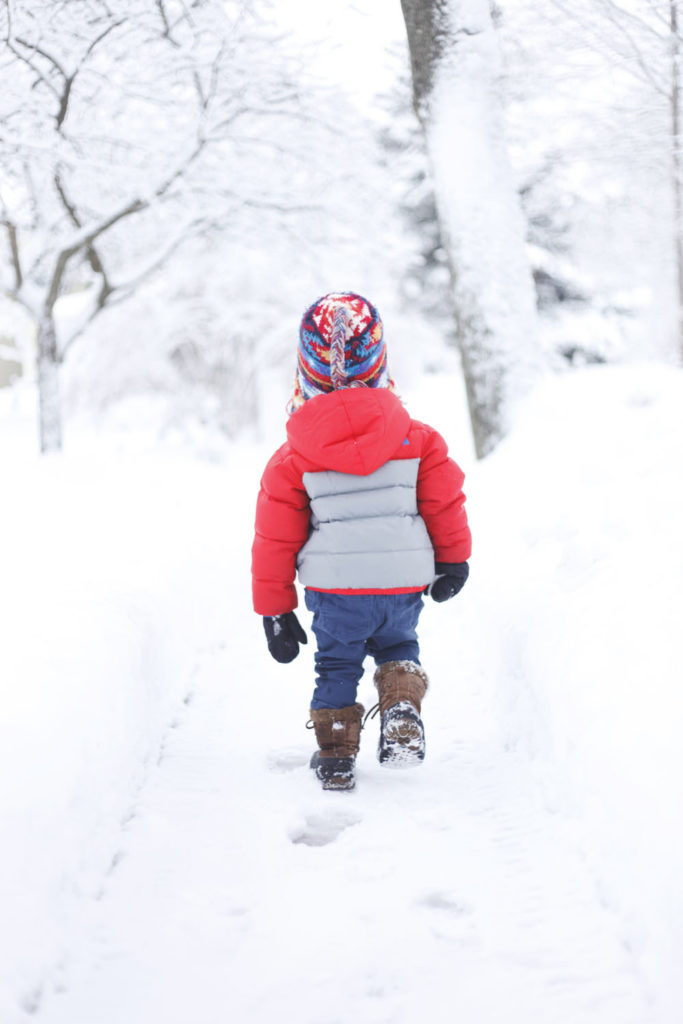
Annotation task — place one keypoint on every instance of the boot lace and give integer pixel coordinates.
(372, 713)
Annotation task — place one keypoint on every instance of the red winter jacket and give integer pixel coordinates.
(352, 431)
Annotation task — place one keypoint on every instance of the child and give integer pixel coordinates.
(365, 504)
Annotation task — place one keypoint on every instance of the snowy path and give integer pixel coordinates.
(529, 872)
(242, 892)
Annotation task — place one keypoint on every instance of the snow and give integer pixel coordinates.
(481, 221)
(168, 855)
(366, 33)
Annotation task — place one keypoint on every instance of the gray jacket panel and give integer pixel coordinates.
(366, 532)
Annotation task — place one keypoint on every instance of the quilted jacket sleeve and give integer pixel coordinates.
(441, 500)
(282, 518)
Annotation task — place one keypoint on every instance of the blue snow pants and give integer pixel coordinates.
(348, 627)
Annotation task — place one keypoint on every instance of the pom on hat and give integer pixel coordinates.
(341, 345)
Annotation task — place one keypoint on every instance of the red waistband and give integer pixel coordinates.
(368, 590)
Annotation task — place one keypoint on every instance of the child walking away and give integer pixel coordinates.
(366, 505)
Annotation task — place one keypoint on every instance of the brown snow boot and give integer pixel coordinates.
(337, 731)
(401, 685)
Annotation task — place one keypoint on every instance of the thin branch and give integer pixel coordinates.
(98, 39)
(166, 23)
(67, 79)
(180, 170)
(82, 62)
(216, 129)
(120, 292)
(661, 13)
(10, 16)
(34, 68)
(609, 11)
(88, 237)
(31, 193)
(623, 16)
(84, 242)
(43, 53)
(128, 287)
(14, 254)
(64, 102)
(618, 18)
(92, 253)
(205, 98)
(133, 207)
(186, 16)
(216, 71)
(270, 204)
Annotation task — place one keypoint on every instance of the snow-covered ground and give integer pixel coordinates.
(167, 855)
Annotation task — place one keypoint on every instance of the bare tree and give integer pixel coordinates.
(454, 63)
(645, 39)
(115, 117)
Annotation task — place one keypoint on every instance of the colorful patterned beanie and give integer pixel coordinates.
(341, 345)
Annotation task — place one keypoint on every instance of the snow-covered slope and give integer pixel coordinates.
(583, 566)
(166, 853)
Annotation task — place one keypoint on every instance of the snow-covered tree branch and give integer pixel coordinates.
(116, 117)
(643, 41)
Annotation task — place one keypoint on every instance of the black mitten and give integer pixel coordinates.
(450, 579)
(284, 633)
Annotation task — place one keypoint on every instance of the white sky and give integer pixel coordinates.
(348, 42)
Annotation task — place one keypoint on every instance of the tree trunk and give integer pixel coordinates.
(455, 67)
(677, 161)
(49, 402)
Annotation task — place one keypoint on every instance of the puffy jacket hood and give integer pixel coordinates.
(355, 430)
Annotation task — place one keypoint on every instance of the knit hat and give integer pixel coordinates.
(341, 345)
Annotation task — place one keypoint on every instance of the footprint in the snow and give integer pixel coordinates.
(439, 900)
(322, 829)
(453, 920)
(288, 760)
